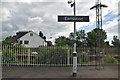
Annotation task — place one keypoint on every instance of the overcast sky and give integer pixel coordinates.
(41, 15)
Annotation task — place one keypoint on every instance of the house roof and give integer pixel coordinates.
(18, 35)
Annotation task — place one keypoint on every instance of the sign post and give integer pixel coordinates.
(74, 19)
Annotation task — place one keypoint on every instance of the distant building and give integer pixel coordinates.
(30, 39)
(49, 43)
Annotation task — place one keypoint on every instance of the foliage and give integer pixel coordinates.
(83, 39)
(82, 57)
(80, 38)
(80, 35)
(7, 41)
(69, 42)
(107, 44)
(15, 48)
(47, 55)
(8, 56)
(63, 41)
(10, 52)
(110, 59)
(94, 36)
(40, 34)
(53, 55)
(44, 37)
(116, 41)
(71, 36)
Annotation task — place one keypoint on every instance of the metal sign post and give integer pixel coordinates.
(75, 51)
(74, 19)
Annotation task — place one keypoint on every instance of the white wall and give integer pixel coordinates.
(34, 41)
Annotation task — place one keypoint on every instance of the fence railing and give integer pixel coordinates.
(52, 55)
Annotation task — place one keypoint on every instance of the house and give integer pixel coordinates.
(30, 39)
(49, 43)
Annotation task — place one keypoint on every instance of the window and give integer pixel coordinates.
(26, 42)
(31, 34)
(20, 42)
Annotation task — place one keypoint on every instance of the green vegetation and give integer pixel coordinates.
(53, 55)
(7, 41)
(58, 54)
(110, 59)
(82, 58)
(10, 53)
(8, 56)
(93, 36)
(116, 41)
(62, 41)
(83, 39)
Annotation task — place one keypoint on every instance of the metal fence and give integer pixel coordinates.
(52, 55)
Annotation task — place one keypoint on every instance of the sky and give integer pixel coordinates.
(42, 15)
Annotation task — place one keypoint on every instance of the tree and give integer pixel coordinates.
(69, 42)
(7, 40)
(116, 41)
(61, 41)
(91, 38)
(44, 37)
(94, 36)
(80, 37)
(40, 34)
(107, 44)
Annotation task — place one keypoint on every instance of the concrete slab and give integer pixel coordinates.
(58, 72)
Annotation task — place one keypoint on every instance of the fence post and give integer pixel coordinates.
(68, 56)
(28, 55)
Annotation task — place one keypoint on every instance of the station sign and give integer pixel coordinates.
(73, 18)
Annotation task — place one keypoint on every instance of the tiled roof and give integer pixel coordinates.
(18, 35)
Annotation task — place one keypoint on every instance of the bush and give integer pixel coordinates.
(51, 55)
(83, 58)
(7, 56)
(110, 59)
